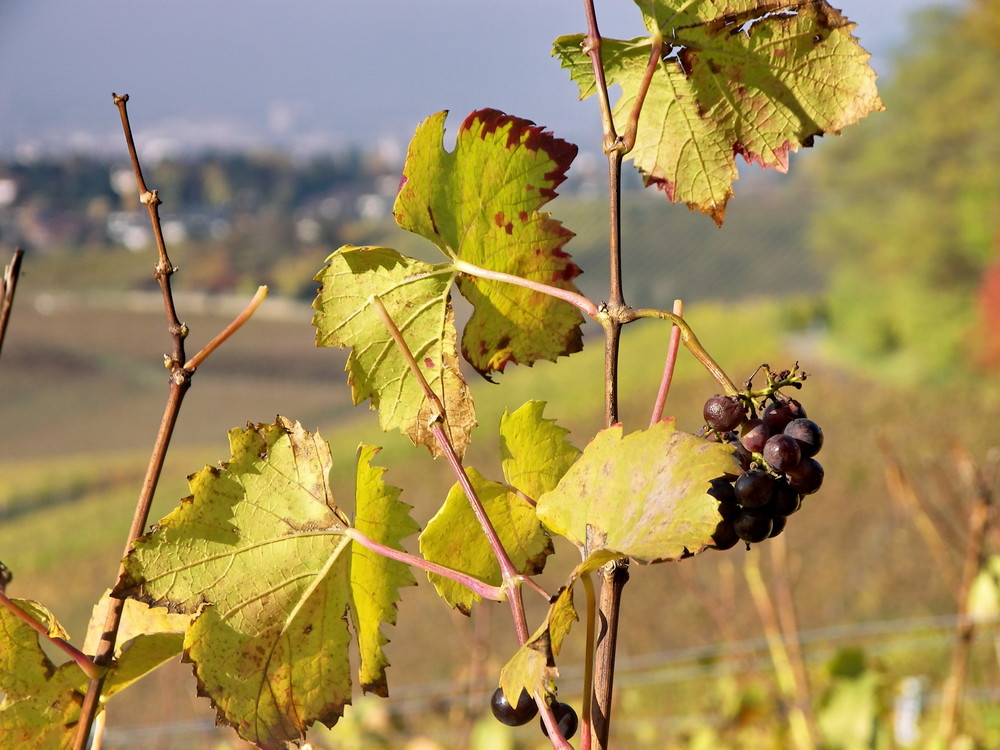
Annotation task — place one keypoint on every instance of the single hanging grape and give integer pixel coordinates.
(513, 716)
(566, 720)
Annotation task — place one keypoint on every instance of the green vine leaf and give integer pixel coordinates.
(755, 78)
(642, 496)
(533, 667)
(480, 204)
(416, 296)
(260, 554)
(534, 451)
(454, 538)
(41, 702)
(381, 516)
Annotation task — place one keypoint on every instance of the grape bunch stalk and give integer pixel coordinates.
(776, 444)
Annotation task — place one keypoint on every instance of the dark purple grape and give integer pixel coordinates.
(754, 488)
(777, 526)
(752, 527)
(724, 537)
(741, 454)
(779, 413)
(566, 720)
(723, 413)
(755, 434)
(807, 434)
(781, 452)
(513, 716)
(784, 500)
(722, 490)
(807, 477)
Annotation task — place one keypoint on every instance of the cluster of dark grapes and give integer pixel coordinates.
(776, 451)
(526, 710)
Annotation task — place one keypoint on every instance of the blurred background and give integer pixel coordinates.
(275, 133)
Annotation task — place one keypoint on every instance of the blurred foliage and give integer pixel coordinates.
(909, 207)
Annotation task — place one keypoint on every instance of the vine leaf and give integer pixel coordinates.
(533, 668)
(642, 496)
(454, 538)
(534, 451)
(480, 204)
(416, 296)
(260, 555)
(41, 702)
(381, 516)
(757, 78)
(148, 637)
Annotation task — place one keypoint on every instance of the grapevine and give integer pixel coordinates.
(277, 590)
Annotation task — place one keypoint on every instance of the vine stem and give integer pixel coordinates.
(668, 367)
(588, 664)
(610, 319)
(7, 287)
(179, 383)
(511, 578)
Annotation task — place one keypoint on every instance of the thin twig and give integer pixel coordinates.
(192, 364)
(179, 383)
(10, 276)
(973, 480)
(668, 366)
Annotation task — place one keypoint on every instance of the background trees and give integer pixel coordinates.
(908, 215)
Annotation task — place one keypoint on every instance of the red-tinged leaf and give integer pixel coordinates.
(480, 204)
(754, 78)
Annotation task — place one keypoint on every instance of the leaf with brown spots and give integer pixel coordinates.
(754, 78)
(480, 204)
(260, 554)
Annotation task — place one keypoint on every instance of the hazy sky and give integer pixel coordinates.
(233, 71)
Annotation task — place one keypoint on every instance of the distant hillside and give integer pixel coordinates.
(236, 221)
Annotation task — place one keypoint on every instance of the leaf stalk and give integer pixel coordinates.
(483, 589)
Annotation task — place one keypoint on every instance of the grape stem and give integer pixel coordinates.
(693, 345)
